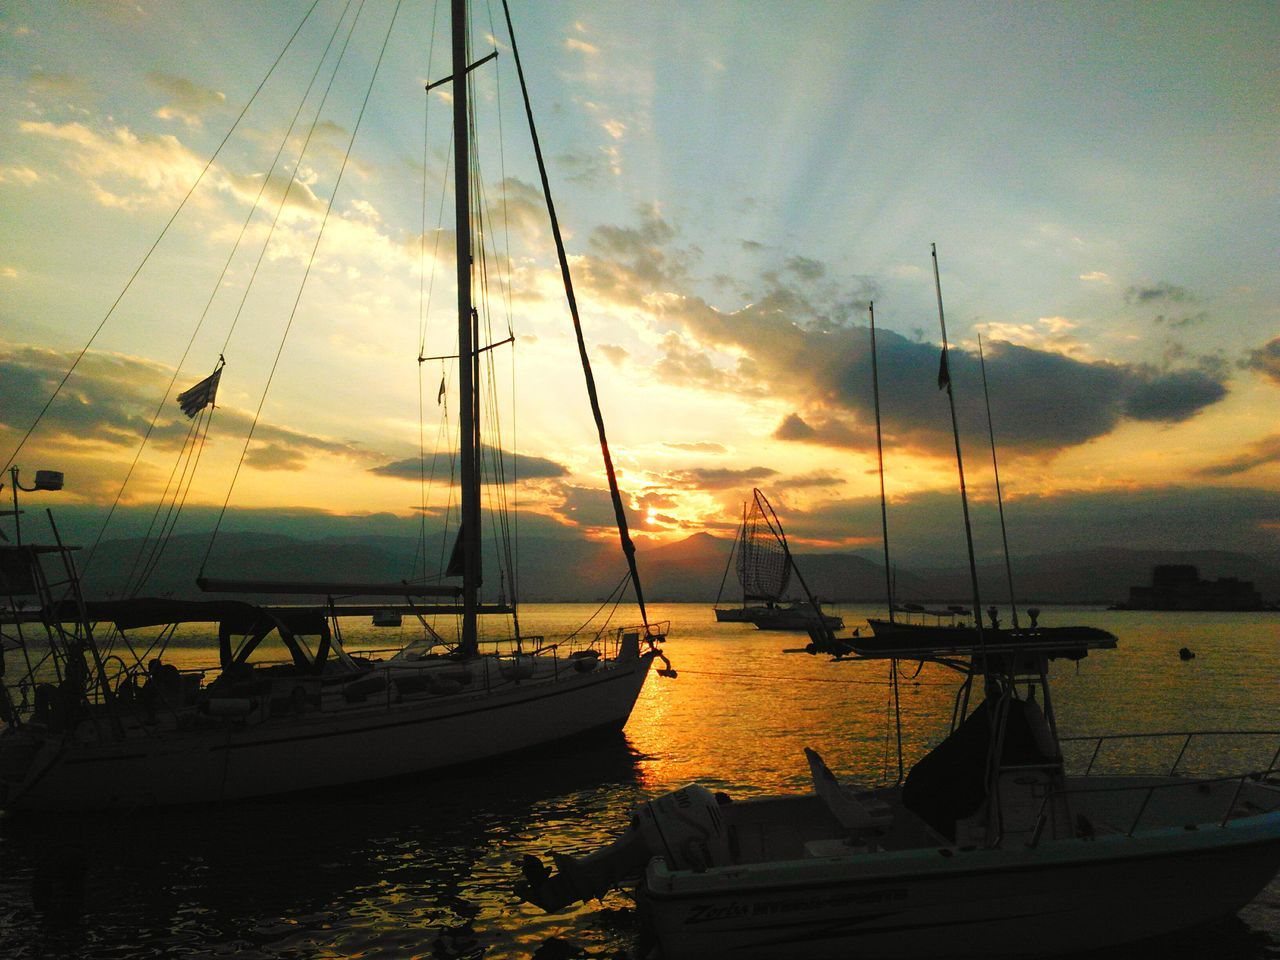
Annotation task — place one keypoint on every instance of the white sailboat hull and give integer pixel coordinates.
(326, 749)
(1062, 896)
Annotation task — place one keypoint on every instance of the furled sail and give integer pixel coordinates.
(764, 562)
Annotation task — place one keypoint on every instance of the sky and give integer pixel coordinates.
(736, 182)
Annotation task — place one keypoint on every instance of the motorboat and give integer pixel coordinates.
(988, 846)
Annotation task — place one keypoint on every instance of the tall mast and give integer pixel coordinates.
(467, 367)
(944, 380)
(995, 468)
(884, 512)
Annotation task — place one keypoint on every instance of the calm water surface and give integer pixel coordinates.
(424, 867)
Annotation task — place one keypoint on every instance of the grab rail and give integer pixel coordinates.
(1187, 736)
(1257, 776)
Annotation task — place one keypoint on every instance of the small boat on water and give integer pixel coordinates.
(990, 845)
(97, 718)
(764, 566)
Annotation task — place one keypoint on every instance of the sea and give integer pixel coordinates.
(424, 867)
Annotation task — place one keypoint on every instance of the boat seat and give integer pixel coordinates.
(858, 811)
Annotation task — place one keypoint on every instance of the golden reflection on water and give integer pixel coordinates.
(424, 868)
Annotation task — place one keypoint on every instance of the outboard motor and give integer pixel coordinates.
(685, 828)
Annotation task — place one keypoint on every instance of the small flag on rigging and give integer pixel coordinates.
(201, 395)
(440, 395)
(944, 373)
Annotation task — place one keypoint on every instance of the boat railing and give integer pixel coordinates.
(1183, 738)
(1232, 810)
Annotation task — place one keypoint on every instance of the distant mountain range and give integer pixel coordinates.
(691, 570)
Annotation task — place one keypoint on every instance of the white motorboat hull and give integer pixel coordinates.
(1062, 896)
(326, 748)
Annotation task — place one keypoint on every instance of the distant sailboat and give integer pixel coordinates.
(762, 560)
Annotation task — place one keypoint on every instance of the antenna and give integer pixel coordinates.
(995, 467)
(884, 512)
(944, 381)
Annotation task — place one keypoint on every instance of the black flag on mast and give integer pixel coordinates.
(201, 395)
(944, 373)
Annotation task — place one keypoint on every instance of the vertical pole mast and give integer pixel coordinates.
(944, 377)
(468, 420)
(884, 511)
(995, 468)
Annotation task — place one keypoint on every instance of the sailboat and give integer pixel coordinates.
(992, 844)
(764, 566)
(87, 729)
(907, 627)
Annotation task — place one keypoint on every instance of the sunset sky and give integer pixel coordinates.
(736, 181)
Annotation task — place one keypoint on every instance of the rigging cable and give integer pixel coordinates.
(208, 305)
(506, 281)
(163, 232)
(189, 457)
(423, 306)
(311, 259)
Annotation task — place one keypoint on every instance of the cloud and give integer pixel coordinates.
(824, 432)
(1184, 320)
(718, 478)
(274, 456)
(23, 175)
(123, 169)
(108, 403)
(187, 101)
(59, 86)
(581, 46)
(697, 446)
(515, 466)
(926, 529)
(805, 268)
(520, 207)
(798, 341)
(809, 480)
(1173, 397)
(1159, 293)
(1056, 334)
(1095, 276)
(684, 363)
(591, 508)
(583, 166)
(1266, 360)
(613, 353)
(1258, 454)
